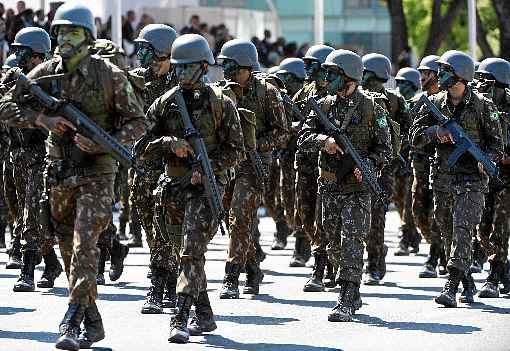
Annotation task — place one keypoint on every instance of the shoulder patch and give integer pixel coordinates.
(382, 122)
(494, 115)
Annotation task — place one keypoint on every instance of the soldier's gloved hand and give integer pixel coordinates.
(196, 178)
(182, 148)
(358, 174)
(86, 144)
(331, 147)
(444, 135)
(58, 125)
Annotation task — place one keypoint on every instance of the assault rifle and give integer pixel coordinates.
(343, 141)
(302, 115)
(463, 143)
(258, 166)
(197, 142)
(84, 125)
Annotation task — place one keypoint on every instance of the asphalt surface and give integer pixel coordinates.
(399, 315)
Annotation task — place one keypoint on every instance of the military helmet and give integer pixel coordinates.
(410, 75)
(477, 64)
(379, 64)
(74, 14)
(191, 48)
(497, 67)
(318, 53)
(243, 52)
(159, 36)
(347, 61)
(10, 62)
(293, 66)
(461, 63)
(273, 70)
(34, 38)
(429, 63)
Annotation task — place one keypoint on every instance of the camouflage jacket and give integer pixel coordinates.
(97, 88)
(480, 120)
(222, 134)
(365, 123)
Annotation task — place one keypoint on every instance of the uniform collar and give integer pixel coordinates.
(82, 66)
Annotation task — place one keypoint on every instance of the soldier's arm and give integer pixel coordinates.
(310, 138)
(127, 106)
(405, 121)
(422, 129)
(381, 151)
(231, 148)
(492, 131)
(275, 115)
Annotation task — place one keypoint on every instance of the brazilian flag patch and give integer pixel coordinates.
(382, 122)
(494, 116)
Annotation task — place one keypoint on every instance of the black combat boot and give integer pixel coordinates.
(135, 230)
(469, 289)
(118, 254)
(203, 320)
(479, 257)
(298, 258)
(121, 233)
(254, 277)
(230, 288)
(154, 300)
(70, 328)
(447, 296)
(415, 241)
(442, 262)
(491, 287)
(314, 284)
(170, 297)
(373, 276)
(280, 237)
(26, 279)
(52, 269)
(505, 278)
(93, 330)
(3, 227)
(344, 308)
(101, 262)
(329, 275)
(14, 255)
(403, 247)
(429, 268)
(179, 332)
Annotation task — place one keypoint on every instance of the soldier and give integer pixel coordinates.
(377, 70)
(215, 117)
(239, 60)
(32, 47)
(408, 84)
(292, 73)
(495, 232)
(459, 191)
(346, 202)
(154, 44)
(308, 211)
(422, 198)
(81, 174)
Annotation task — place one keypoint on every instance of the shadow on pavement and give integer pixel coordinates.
(304, 303)
(257, 320)
(128, 286)
(2, 276)
(284, 274)
(405, 297)
(220, 342)
(62, 292)
(7, 311)
(37, 336)
(488, 308)
(423, 288)
(439, 328)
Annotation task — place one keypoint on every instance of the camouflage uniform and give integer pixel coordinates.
(458, 194)
(265, 101)
(346, 204)
(82, 184)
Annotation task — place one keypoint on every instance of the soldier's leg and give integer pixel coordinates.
(353, 227)
(398, 194)
(498, 245)
(104, 245)
(274, 206)
(4, 212)
(118, 253)
(142, 209)
(124, 210)
(199, 228)
(245, 201)
(304, 206)
(15, 195)
(410, 241)
(481, 244)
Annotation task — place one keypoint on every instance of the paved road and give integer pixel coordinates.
(397, 316)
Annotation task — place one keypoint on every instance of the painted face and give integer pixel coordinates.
(23, 56)
(428, 78)
(145, 54)
(446, 77)
(188, 75)
(230, 69)
(369, 78)
(70, 39)
(292, 83)
(406, 89)
(335, 80)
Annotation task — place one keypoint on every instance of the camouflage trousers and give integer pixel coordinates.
(246, 199)
(288, 186)
(122, 196)
(4, 210)
(457, 214)
(346, 220)
(191, 209)
(423, 203)
(494, 229)
(306, 200)
(408, 226)
(81, 209)
(375, 240)
(9, 190)
(272, 198)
